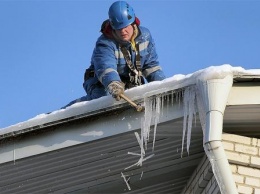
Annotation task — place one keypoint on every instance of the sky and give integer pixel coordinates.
(46, 45)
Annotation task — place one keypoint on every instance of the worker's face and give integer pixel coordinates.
(126, 33)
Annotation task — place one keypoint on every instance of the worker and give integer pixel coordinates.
(124, 56)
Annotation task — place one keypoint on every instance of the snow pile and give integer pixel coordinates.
(158, 87)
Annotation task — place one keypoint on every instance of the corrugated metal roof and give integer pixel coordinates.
(96, 167)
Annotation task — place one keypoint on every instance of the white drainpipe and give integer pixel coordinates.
(214, 95)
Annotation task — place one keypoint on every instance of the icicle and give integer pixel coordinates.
(138, 163)
(126, 181)
(141, 175)
(162, 101)
(192, 112)
(201, 108)
(172, 93)
(188, 111)
(147, 120)
(185, 115)
(141, 145)
(134, 154)
(153, 107)
(152, 113)
(167, 103)
(156, 120)
(14, 155)
(148, 157)
(139, 140)
(178, 96)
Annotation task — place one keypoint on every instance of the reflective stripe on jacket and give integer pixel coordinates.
(109, 63)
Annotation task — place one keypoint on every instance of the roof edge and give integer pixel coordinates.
(137, 94)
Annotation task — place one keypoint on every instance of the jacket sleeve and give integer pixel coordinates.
(151, 68)
(104, 61)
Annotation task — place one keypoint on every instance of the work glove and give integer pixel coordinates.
(116, 88)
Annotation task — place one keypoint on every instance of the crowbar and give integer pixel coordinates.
(138, 107)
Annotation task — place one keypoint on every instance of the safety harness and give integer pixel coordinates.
(135, 74)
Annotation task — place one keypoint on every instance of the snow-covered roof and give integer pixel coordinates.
(103, 104)
(171, 108)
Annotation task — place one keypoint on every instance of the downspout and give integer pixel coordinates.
(214, 94)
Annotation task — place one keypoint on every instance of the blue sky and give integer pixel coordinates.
(46, 45)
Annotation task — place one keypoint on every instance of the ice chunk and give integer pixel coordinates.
(126, 181)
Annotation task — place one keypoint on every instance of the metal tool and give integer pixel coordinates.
(138, 107)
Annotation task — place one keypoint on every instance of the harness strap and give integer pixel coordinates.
(137, 78)
(128, 60)
(138, 61)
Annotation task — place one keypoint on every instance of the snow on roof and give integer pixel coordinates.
(172, 83)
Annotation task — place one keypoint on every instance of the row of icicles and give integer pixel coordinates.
(154, 108)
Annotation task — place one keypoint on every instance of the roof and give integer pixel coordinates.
(105, 104)
(85, 147)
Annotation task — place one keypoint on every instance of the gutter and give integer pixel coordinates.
(214, 95)
(14, 131)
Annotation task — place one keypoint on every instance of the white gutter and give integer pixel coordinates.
(214, 95)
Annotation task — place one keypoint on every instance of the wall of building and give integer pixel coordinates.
(243, 154)
(244, 157)
(202, 180)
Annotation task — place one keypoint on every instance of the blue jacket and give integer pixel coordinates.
(109, 64)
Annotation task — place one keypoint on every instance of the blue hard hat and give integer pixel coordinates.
(121, 14)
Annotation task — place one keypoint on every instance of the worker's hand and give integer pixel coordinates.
(116, 88)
